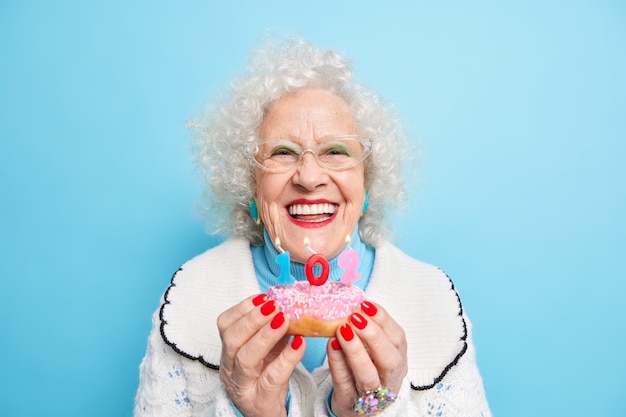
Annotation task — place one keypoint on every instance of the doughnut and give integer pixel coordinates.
(316, 310)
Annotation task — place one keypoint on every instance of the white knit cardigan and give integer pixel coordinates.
(179, 373)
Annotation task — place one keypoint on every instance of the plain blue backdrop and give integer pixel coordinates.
(520, 112)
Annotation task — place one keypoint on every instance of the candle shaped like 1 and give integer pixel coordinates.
(283, 260)
(316, 259)
(349, 260)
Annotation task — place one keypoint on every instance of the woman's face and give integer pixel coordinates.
(336, 197)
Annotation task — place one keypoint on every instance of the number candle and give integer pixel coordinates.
(349, 260)
(316, 259)
(313, 260)
(283, 260)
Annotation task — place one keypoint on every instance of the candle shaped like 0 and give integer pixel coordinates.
(349, 260)
(316, 259)
(283, 260)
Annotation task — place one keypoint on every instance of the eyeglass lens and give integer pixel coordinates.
(275, 155)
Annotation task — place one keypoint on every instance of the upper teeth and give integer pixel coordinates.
(297, 209)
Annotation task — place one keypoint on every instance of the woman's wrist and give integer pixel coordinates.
(287, 403)
(328, 401)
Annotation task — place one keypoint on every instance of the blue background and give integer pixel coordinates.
(519, 108)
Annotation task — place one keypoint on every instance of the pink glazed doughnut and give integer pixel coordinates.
(317, 310)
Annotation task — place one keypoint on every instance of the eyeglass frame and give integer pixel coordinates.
(250, 149)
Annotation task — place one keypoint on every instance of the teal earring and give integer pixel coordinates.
(366, 201)
(254, 211)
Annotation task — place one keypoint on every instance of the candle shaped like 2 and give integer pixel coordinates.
(349, 260)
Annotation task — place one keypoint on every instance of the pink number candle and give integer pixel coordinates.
(349, 260)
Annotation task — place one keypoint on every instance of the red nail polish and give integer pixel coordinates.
(296, 342)
(369, 308)
(278, 320)
(268, 308)
(358, 320)
(334, 344)
(346, 332)
(259, 299)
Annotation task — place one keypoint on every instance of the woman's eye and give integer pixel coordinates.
(283, 151)
(336, 150)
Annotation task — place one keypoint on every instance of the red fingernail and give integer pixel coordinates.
(259, 299)
(268, 308)
(296, 342)
(334, 344)
(358, 320)
(346, 332)
(369, 308)
(278, 320)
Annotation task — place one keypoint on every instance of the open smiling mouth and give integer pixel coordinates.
(312, 213)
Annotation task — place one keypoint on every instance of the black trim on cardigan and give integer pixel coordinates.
(172, 344)
(463, 338)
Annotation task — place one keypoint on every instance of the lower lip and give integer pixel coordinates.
(312, 225)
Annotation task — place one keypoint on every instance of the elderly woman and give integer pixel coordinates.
(300, 151)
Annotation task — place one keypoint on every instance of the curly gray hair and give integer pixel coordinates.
(275, 70)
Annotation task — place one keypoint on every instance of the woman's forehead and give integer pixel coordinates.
(308, 115)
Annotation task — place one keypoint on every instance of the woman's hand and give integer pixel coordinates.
(257, 358)
(368, 353)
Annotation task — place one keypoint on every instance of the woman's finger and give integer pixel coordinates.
(344, 384)
(239, 333)
(389, 360)
(365, 374)
(261, 348)
(236, 312)
(376, 313)
(343, 380)
(277, 372)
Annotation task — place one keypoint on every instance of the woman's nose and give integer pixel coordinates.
(309, 174)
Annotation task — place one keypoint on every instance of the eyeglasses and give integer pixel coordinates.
(277, 155)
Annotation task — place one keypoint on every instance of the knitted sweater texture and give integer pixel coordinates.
(179, 373)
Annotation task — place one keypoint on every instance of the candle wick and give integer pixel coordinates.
(307, 244)
(278, 247)
(348, 242)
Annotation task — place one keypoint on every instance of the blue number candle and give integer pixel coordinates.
(283, 260)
